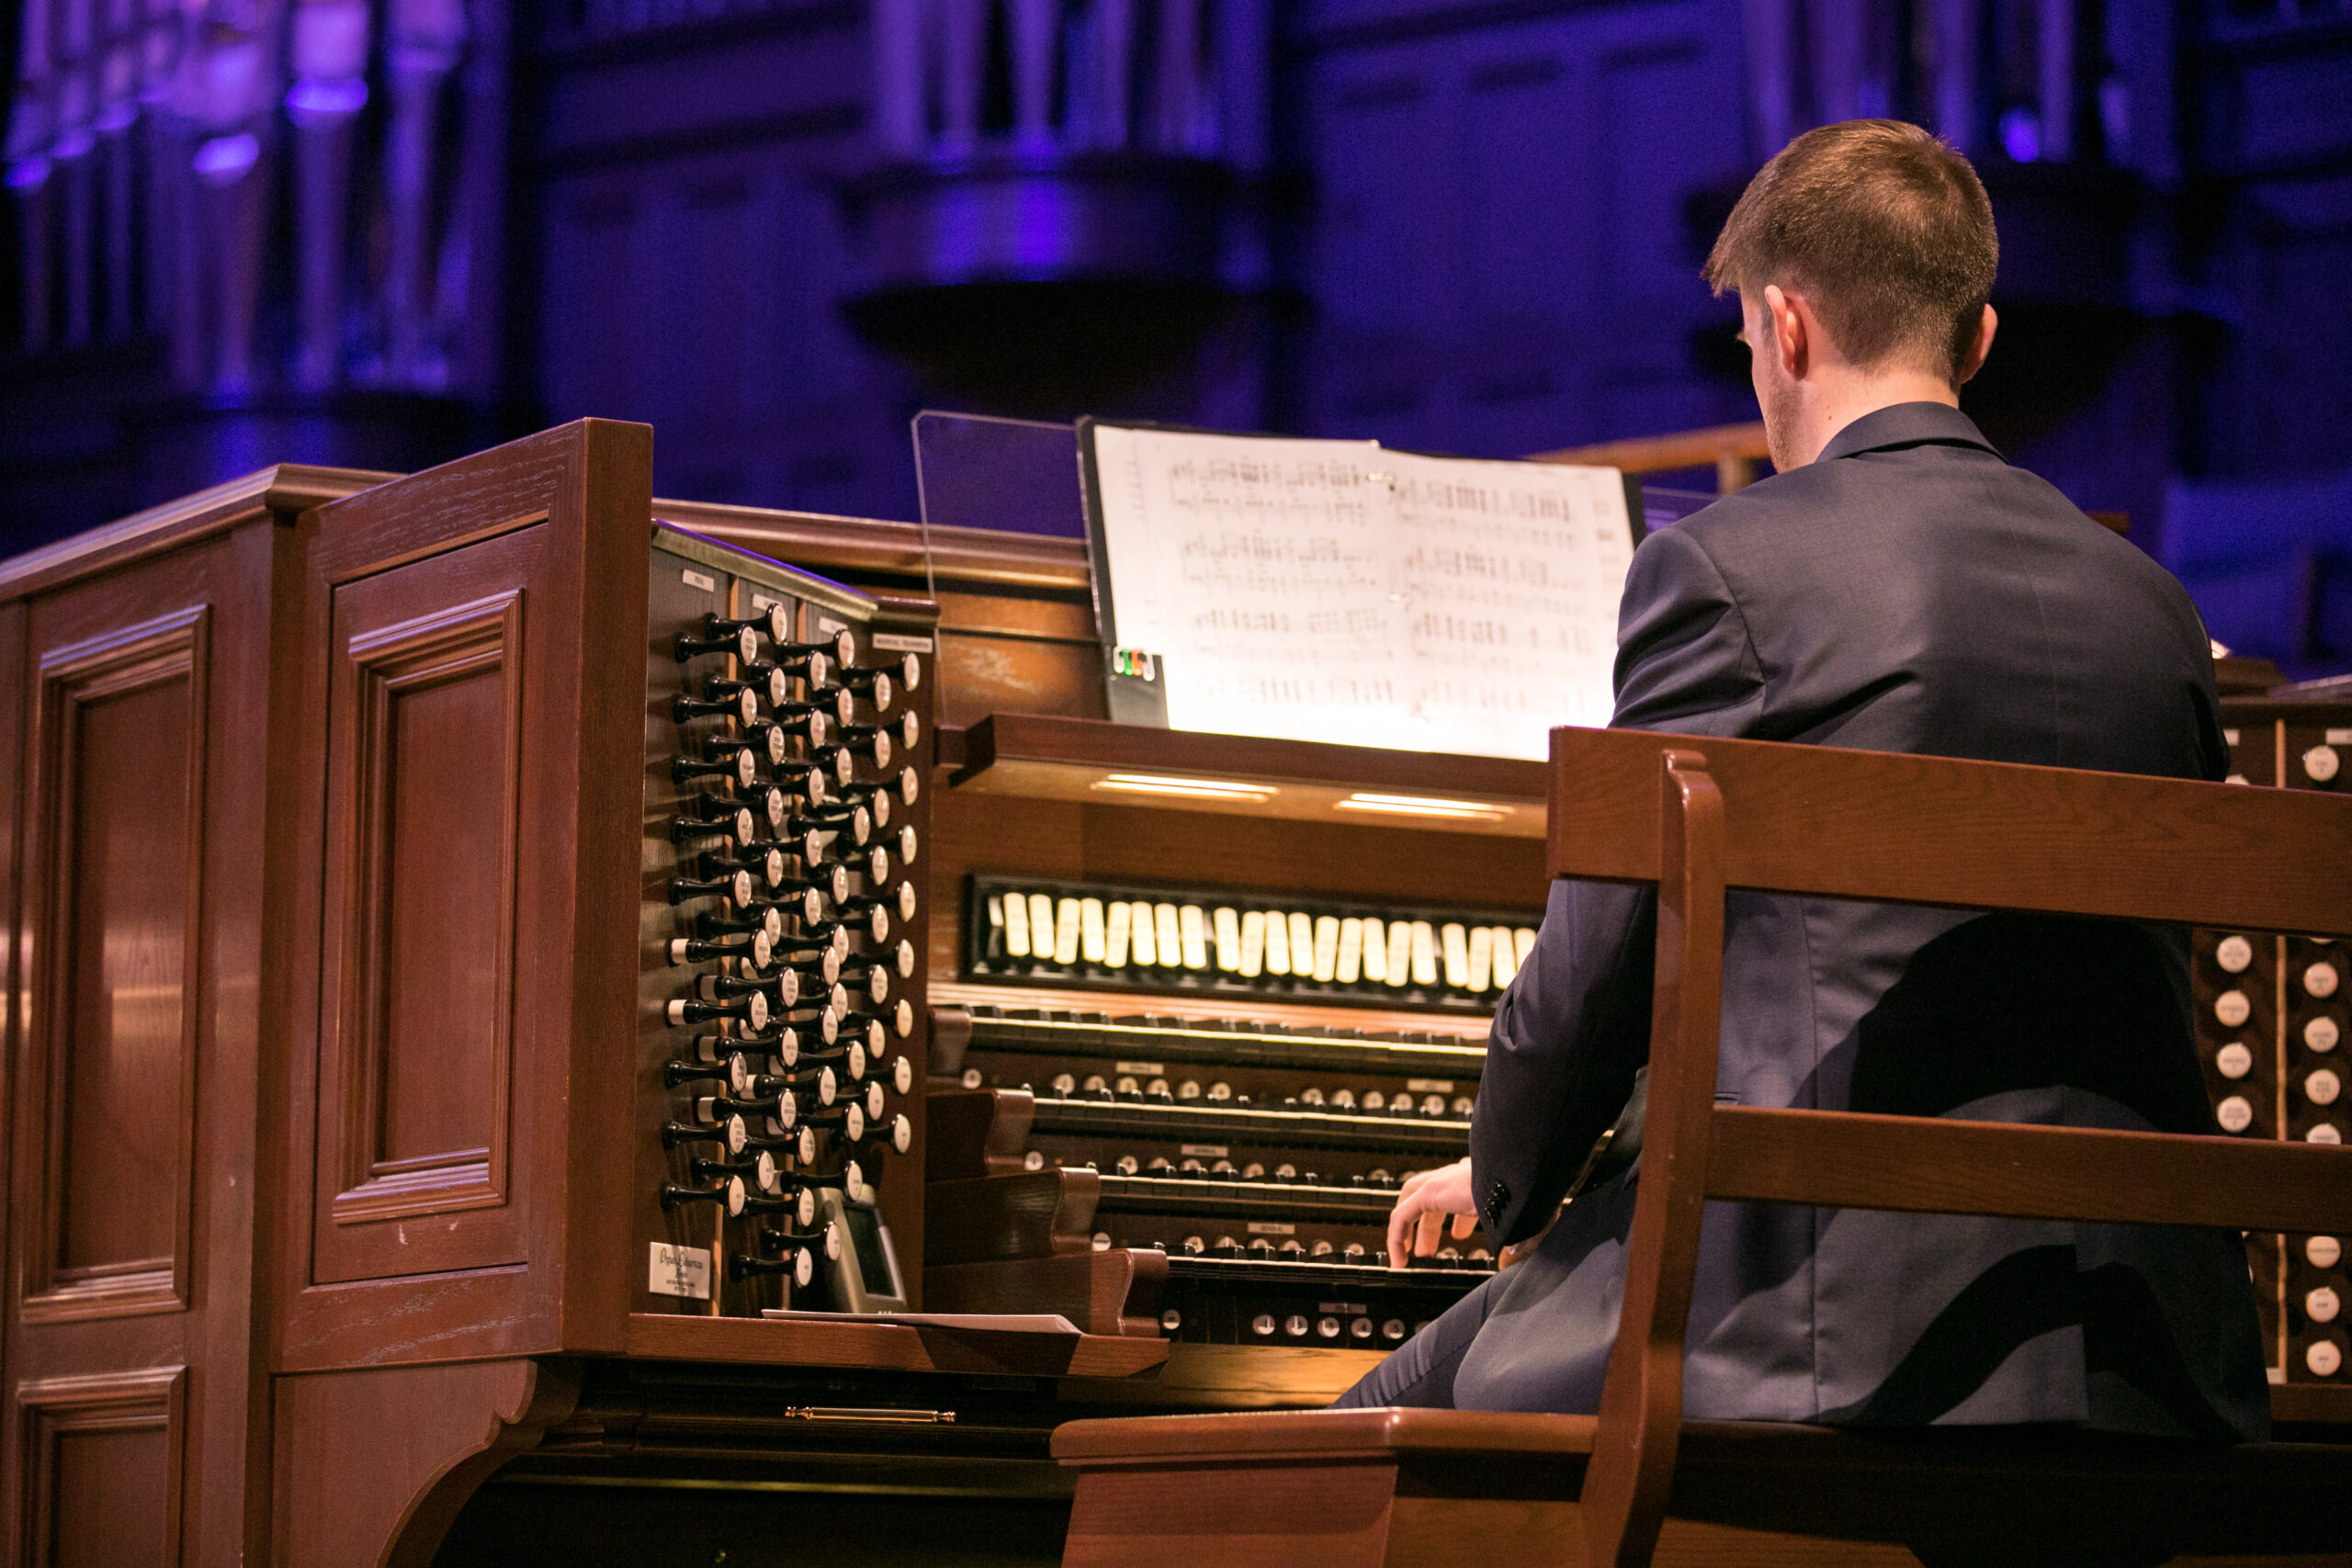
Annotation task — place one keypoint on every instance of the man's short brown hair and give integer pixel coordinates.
(1883, 227)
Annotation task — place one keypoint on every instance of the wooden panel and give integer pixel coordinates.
(1924, 1164)
(372, 1465)
(1880, 825)
(990, 674)
(514, 1253)
(119, 760)
(425, 806)
(102, 1481)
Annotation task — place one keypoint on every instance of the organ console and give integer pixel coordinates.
(2271, 1016)
(501, 970)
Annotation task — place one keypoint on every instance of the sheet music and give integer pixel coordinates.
(1511, 575)
(1333, 591)
(1263, 570)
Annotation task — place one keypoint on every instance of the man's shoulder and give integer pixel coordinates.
(1950, 501)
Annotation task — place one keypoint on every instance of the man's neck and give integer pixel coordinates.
(1831, 405)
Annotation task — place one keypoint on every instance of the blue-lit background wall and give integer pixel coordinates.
(379, 232)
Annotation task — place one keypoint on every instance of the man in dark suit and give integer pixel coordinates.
(1896, 586)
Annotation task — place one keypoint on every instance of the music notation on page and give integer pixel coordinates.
(1337, 590)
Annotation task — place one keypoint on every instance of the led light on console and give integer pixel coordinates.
(1188, 789)
(1424, 806)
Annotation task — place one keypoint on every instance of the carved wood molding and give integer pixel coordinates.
(372, 1466)
(384, 666)
(49, 1413)
(73, 680)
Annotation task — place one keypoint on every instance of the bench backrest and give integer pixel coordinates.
(1698, 816)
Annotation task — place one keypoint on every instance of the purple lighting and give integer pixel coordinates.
(2021, 135)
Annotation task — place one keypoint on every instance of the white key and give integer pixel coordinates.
(1350, 953)
(1041, 925)
(1453, 942)
(1066, 932)
(1277, 942)
(1091, 941)
(1454, 946)
(1147, 946)
(1424, 954)
(1523, 941)
(1482, 956)
(1193, 925)
(1254, 943)
(1301, 944)
(1506, 957)
(1171, 940)
(1375, 950)
(1227, 922)
(1327, 946)
(1400, 951)
(1115, 934)
(1016, 925)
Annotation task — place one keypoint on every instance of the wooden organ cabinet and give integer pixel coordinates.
(488, 945)
(476, 940)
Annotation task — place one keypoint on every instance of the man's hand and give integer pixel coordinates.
(1417, 1223)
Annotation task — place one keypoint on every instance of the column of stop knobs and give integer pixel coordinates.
(788, 923)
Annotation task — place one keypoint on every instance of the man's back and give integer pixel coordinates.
(1912, 591)
(1908, 592)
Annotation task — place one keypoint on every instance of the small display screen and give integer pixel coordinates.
(865, 1238)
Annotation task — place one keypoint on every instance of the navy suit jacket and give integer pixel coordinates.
(1908, 592)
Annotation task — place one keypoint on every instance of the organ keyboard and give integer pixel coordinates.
(1201, 1087)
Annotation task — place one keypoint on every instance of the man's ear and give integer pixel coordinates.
(1790, 339)
(1973, 360)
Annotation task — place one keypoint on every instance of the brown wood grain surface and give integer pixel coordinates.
(373, 1465)
(866, 548)
(273, 495)
(1328, 1434)
(1915, 829)
(1933, 1165)
(976, 1132)
(1116, 1291)
(1632, 1476)
(1008, 738)
(1030, 1213)
(911, 1347)
(525, 1260)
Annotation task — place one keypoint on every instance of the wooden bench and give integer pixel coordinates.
(1698, 816)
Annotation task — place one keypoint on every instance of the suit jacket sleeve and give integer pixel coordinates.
(1573, 1027)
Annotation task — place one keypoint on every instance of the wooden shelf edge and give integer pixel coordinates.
(890, 1347)
(1047, 757)
(2311, 1403)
